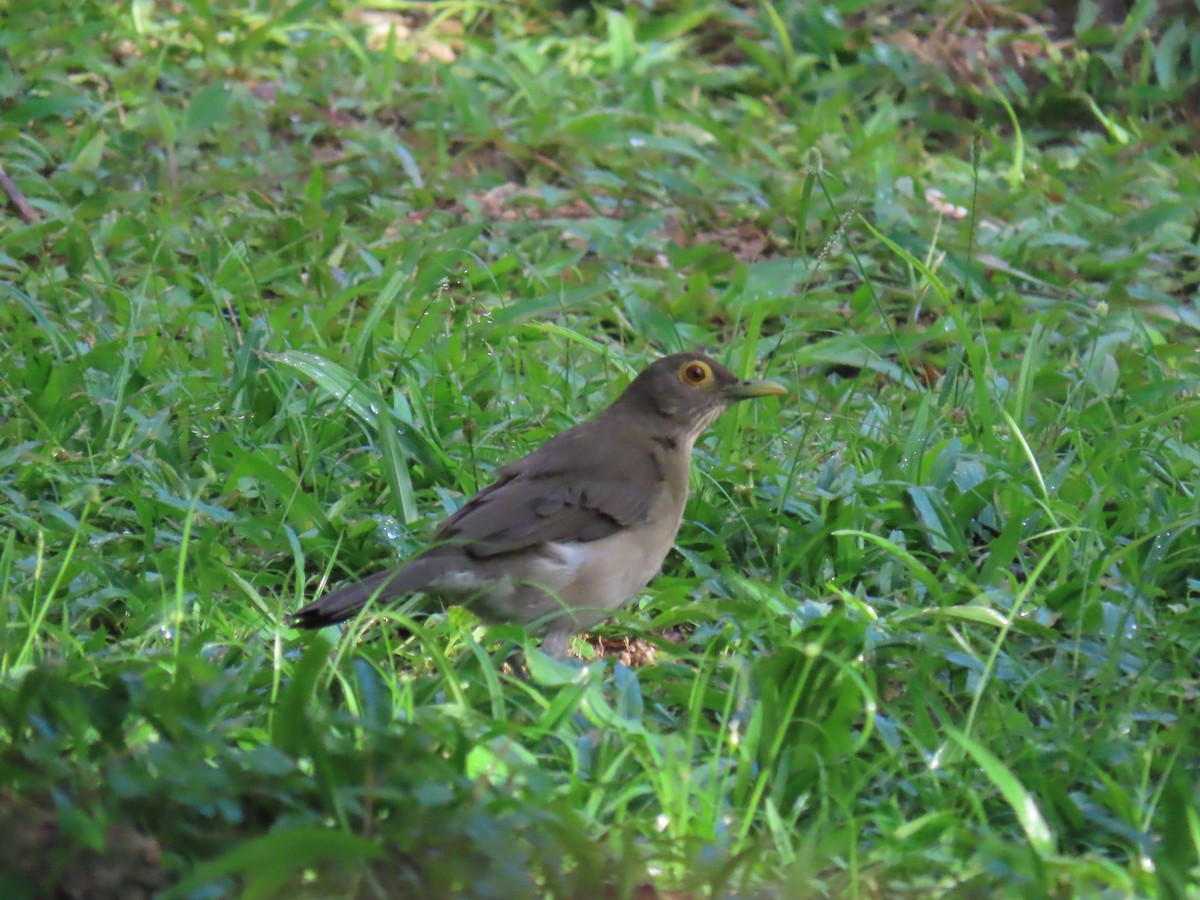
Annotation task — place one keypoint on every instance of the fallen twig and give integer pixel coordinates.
(29, 215)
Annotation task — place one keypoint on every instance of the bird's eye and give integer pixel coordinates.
(695, 373)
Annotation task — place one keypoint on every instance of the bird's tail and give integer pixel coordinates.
(344, 603)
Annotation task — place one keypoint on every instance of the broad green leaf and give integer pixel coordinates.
(1023, 804)
(209, 107)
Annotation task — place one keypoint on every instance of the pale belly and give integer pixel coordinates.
(582, 581)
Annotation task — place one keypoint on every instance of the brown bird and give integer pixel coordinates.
(578, 527)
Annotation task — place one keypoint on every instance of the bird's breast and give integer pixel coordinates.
(608, 573)
(583, 579)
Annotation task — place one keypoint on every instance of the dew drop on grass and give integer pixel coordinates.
(935, 760)
(391, 528)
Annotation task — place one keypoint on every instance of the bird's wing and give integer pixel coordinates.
(572, 489)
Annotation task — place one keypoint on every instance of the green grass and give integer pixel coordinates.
(931, 627)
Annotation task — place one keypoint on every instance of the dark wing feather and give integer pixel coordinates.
(572, 489)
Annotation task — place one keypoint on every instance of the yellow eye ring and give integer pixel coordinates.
(695, 373)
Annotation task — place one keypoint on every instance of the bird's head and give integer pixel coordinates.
(689, 391)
